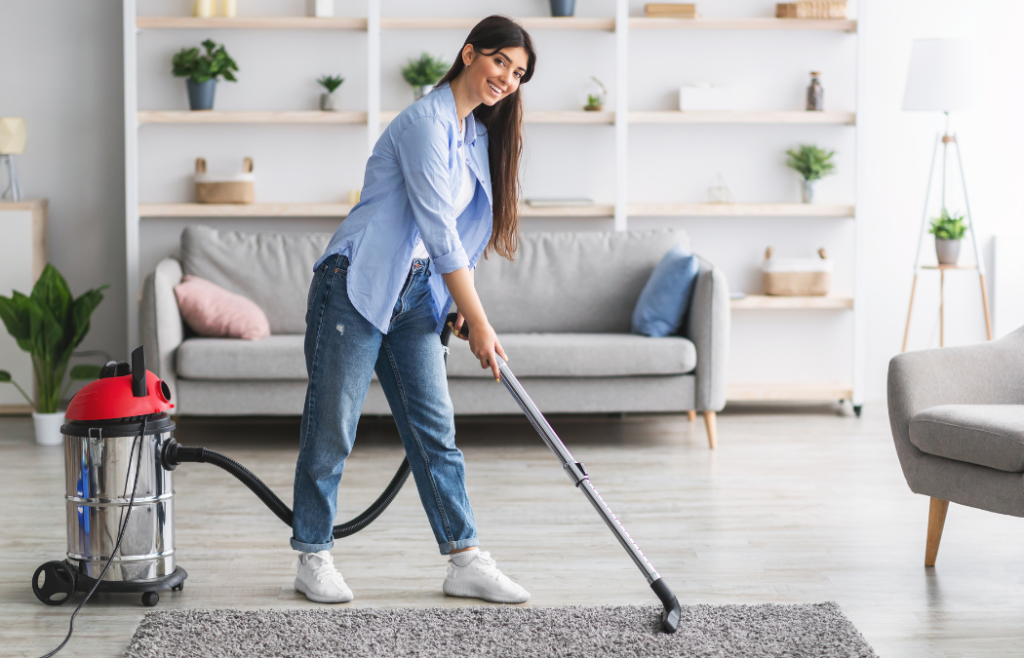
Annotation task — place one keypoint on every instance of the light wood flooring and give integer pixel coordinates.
(802, 506)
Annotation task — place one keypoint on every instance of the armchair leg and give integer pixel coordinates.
(936, 520)
(691, 415)
(710, 420)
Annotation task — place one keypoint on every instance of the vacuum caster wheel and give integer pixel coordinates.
(179, 587)
(150, 599)
(56, 585)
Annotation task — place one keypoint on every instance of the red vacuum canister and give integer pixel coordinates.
(116, 489)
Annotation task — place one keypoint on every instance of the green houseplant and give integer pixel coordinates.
(948, 230)
(49, 324)
(202, 71)
(813, 164)
(330, 83)
(423, 73)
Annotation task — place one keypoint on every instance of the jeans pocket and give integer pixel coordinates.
(314, 286)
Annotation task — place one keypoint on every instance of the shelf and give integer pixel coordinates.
(739, 210)
(765, 392)
(528, 22)
(793, 117)
(552, 116)
(252, 23)
(216, 116)
(244, 210)
(596, 210)
(833, 25)
(774, 302)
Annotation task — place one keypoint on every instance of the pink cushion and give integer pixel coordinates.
(217, 313)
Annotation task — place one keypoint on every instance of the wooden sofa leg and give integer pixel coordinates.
(711, 421)
(691, 415)
(936, 520)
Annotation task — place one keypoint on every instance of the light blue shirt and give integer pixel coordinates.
(412, 180)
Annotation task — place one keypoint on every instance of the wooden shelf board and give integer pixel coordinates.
(15, 410)
(645, 23)
(544, 116)
(774, 302)
(216, 116)
(252, 23)
(528, 22)
(244, 210)
(739, 210)
(596, 210)
(765, 392)
(791, 117)
(949, 267)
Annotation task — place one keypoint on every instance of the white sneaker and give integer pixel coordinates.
(476, 576)
(319, 580)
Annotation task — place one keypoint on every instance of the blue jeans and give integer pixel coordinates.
(342, 351)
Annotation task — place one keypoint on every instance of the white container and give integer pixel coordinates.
(321, 8)
(705, 97)
(229, 8)
(48, 428)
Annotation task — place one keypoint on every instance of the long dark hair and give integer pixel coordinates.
(504, 121)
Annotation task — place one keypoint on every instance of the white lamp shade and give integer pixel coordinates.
(12, 135)
(943, 76)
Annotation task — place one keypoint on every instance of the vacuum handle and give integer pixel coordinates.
(139, 372)
(449, 329)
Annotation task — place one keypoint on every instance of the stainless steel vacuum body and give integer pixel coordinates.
(100, 470)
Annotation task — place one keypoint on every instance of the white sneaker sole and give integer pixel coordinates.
(470, 591)
(318, 598)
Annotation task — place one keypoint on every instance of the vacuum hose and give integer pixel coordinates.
(174, 453)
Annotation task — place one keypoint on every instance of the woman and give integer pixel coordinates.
(441, 188)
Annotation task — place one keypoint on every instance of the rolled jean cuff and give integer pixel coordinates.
(450, 546)
(311, 548)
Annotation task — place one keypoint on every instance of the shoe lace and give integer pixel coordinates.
(490, 566)
(327, 572)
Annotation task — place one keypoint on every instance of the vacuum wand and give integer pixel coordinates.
(578, 474)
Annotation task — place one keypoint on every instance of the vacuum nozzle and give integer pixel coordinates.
(670, 615)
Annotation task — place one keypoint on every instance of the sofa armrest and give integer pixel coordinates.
(707, 325)
(160, 322)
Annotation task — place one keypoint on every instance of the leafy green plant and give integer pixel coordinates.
(593, 102)
(200, 67)
(811, 162)
(948, 227)
(49, 324)
(426, 70)
(330, 82)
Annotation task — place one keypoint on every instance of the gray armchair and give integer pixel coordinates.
(957, 417)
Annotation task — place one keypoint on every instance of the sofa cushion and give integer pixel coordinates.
(530, 355)
(271, 269)
(989, 435)
(577, 282)
(581, 355)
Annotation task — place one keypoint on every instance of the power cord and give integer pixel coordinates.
(120, 534)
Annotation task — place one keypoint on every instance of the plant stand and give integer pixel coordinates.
(947, 139)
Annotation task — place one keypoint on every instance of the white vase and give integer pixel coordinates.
(807, 190)
(48, 428)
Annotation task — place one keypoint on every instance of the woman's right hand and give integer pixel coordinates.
(483, 343)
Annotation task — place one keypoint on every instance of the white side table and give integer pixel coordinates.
(23, 255)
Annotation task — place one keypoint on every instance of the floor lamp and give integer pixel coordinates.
(941, 79)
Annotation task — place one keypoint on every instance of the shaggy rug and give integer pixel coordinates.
(751, 631)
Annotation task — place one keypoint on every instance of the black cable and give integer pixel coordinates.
(120, 535)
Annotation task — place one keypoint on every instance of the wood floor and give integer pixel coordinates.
(794, 507)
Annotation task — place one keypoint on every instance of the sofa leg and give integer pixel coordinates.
(691, 415)
(712, 424)
(936, 520)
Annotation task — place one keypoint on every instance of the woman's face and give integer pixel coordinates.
(489, 78)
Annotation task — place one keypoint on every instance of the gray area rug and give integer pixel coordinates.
(752, 631)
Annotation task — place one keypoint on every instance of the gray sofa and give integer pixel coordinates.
(562, 311)
(957, 417)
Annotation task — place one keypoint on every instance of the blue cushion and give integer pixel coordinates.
(666, 296)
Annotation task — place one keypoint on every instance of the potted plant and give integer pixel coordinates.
(813, 164)
(948, 231)
(202, 71)
(563, 7)
(330, 83)
(423, 73)
(49, 324)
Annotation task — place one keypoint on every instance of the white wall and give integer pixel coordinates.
(68, 84)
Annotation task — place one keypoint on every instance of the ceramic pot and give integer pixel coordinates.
(327, 103)
(422, 90)
(948, 251)
(807, 190)
(563, 7)
(48, 428)
(200, 95)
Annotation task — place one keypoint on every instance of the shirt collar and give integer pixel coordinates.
(448, 100)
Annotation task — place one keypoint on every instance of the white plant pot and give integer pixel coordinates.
(48, 428)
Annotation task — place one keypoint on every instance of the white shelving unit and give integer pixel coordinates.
(619, 117)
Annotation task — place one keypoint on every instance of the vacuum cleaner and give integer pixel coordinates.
(119, 458)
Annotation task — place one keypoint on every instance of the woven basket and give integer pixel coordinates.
(800, 277)
(834, 9)
(231, 188)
